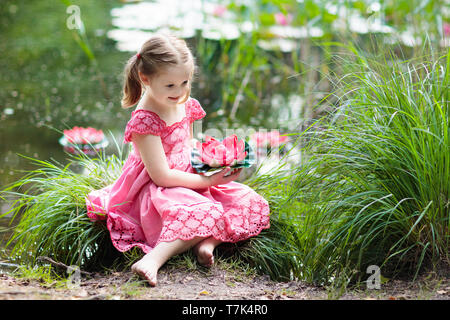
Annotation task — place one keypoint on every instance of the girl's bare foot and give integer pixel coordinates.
(147, 269)
(204, 255)
(149, 265)
(204, 251)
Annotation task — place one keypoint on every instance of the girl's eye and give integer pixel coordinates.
(169, 86)
(185, 82)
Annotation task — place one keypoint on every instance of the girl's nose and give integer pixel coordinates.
(180, 91)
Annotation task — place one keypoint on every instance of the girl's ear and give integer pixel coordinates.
(145, 80)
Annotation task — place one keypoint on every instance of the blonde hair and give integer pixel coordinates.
(158, 52)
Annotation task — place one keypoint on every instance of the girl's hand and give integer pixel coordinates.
(219, 178)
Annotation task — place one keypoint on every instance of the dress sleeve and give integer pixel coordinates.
(196, 111)
(143, 122)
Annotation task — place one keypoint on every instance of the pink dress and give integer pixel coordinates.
(140, 213)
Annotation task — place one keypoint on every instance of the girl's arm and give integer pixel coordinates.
(154, 159)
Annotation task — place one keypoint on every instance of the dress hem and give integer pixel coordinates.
(147, 248)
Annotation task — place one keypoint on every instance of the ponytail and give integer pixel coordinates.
(132, 88)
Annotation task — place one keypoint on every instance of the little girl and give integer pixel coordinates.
(159, 203)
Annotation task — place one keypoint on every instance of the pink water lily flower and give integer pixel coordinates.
(80, 135)
(268, 139)
(216, 153)
(219, 10)
(446, 28)
(283, 19)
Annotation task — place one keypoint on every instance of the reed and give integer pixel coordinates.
(373, 186)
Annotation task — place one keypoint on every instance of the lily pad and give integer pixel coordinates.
(86, 148)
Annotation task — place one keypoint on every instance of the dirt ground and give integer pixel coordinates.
(216, 283)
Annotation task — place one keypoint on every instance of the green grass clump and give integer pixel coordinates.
(389, 149)
(51, 209)
(373, 187)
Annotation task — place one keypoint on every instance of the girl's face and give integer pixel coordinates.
(170, 86)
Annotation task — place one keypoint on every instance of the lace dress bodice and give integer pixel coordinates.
(175, 138)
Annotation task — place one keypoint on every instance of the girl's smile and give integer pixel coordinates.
(174, 99)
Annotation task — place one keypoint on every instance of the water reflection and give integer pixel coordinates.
(135, 22)
(214, 20)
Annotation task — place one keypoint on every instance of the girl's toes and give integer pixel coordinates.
(147, 272)
(205, 257)
(151, 278)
